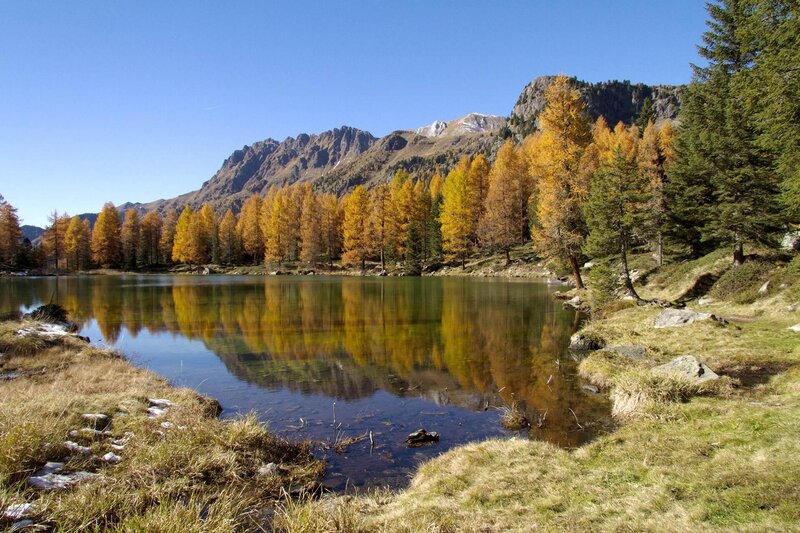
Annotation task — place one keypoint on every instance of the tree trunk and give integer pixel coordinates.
(626, 275)
(738, 254)
(383, 260)
(576, 271)
(508, 257)
(660, 249)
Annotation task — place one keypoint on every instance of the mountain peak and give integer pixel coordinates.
(470, 123)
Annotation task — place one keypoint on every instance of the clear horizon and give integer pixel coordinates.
(136, 102)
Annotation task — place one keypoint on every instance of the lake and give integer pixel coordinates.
(334, 358)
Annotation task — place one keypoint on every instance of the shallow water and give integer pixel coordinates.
(329, 358)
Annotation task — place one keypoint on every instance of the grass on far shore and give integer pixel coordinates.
(197, 474)
(717, 457)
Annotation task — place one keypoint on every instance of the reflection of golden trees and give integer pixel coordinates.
(502, 340)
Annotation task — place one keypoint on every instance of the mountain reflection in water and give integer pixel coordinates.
(394, 353)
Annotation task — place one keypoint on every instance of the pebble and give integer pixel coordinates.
(160, 402)
(155, 412)
(111, 458)
(77, 448)
(167, 425)
(117, 447)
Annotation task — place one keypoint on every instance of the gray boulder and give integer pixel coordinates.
(688, 368)
(584, 342)
(669, 318)
(791, 241)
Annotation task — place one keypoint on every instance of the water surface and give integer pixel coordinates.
(329, 358)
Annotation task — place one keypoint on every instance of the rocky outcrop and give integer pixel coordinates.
(615, 100)
(469, 124)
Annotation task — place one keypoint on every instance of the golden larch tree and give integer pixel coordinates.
(562, 188)
(379, 220)
(184, 249)
(206, 229)
(229, 245)
(249, 228)
(150, 238)
(311, 236)
(130, 235)
(356, 228)
(10, 233)
(332, 214)
(167, 241)
(106, 243)
(457, 225)
(77, 243)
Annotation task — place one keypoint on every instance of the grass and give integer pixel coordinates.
(199, 474)
(720, 456)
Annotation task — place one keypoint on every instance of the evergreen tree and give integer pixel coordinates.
(646, 115)
(379, 220)
(615, 210)
(106, 243)
(413, 252)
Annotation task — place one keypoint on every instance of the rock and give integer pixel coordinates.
(74, 447)
(118, 447)
(58, 481)
(167, 425)
(791, 308)
(420, 437)
(589, 264)
(591, 388)
(791, 241)
(584, 342)
(705, 300)
(635, 275)
(795, 328)
(8, 376)
(764, 288)
(97, 421)
(155, 412)
(269, 469)
(88, 433)
(680, 317)
(159, 402)
(24, 524)
(111, 458)
(633, 352)
(16, 511)
(687, 367)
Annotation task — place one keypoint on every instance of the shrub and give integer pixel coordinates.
(603, 283)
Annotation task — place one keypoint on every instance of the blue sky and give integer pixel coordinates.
(139, 100)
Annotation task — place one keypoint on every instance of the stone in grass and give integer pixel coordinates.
(585, 342)
(28, 525)
(163, 403)
(50, 479)
(98, 421)
(688, 368)
(795, 328)
(16, 511)
(669, 318)
(111, 458)
(155, 412)
(269, 469)
(74, 447)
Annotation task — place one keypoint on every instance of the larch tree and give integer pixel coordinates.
(503, 223)
(77, 243)
(249, 228)
(379, 220)
(106, 242)
(206, 228)
(229, 244)
(331, 227)
(311, 236)
(277, 225)
(185, 246)
(455, 215)
(53, 238)
(478, 180)
(10, 234)
(150, 239)
(167, 241)
(652, 162)
(562, 188)
(130, 234)
(423, 205)
(400, 200)
(356, 228)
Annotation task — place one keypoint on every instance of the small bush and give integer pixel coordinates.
(49, 313)
(603, 283)
(741, 283)
(513, 417)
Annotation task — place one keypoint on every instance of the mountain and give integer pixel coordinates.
(339, 159)
(32, 233)
(617, 101)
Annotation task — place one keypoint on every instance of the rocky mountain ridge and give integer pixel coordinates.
(337, 160)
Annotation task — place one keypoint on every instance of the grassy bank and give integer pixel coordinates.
(718, 456)
(175, 465)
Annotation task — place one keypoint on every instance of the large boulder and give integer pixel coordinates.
(688, 368)
(669, 318)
